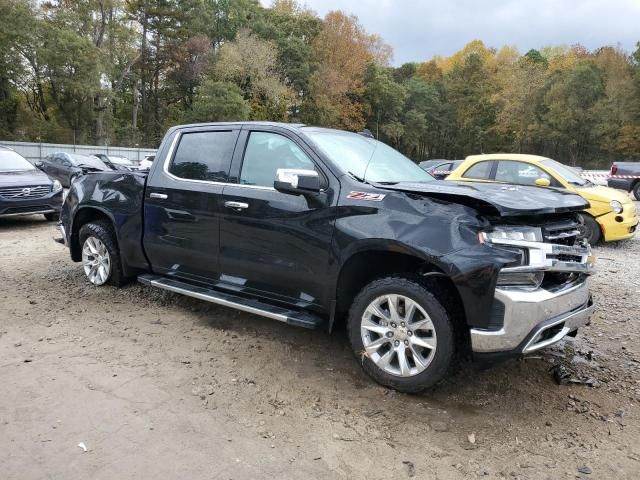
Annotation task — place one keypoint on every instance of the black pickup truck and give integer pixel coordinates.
(318, 227)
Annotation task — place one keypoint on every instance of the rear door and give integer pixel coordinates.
(273, 244)
(183, 202)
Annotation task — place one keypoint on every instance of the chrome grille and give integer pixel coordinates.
(16, 193)
(563, 233)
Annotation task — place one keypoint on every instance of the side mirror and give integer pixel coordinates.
(542, 182)
(38, 164)
(297, 182)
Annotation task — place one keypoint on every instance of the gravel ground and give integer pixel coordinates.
(157, 385)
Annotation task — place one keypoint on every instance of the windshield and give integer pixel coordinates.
(567, 173)
(10, 161)
(367, 159)
(120, 160)
(88, 161)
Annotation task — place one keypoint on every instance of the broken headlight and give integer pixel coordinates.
(509, 233)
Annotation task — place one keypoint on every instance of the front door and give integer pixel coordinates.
(182, 203)
(273, 244)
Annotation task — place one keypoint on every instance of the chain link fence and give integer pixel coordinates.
(37, 151)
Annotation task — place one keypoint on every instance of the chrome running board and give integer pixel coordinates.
(250, 305)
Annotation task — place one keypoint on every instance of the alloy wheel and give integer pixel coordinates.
(96, 260)
(398, 335)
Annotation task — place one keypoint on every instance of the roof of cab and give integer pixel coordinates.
(507, 156)
(264, 123)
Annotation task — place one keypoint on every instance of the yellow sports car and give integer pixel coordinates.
(612, 215)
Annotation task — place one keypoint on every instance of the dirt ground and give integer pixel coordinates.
(161, 386)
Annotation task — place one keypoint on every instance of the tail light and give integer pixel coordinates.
(614, 169)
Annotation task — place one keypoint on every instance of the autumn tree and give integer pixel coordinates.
(343, 49)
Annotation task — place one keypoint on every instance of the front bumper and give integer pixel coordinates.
(50, 203)
(619, 226)
(535, 319)
(528, 319)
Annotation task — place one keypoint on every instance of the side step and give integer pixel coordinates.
(257, 307)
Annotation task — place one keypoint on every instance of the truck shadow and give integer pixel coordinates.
(23, 222)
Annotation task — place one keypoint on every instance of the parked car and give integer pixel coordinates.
(611, 215)
(145, 164)
(25, 190)
(313, 226)
(626, 169)
(66, 167)
(115, 163)
(439, 168)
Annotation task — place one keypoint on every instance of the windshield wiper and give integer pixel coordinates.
(353, 175)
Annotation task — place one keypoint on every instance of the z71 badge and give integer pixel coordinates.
(372, 197)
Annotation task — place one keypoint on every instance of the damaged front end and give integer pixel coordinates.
(542, 295)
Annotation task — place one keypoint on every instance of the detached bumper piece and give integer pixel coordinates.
(528, 319)
(62, 235)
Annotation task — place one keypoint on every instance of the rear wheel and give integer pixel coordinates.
(401, 334)
(590, 230)
(636, 191)
(100, 254)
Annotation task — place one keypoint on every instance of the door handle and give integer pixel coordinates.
(161, 196)
(236, 205)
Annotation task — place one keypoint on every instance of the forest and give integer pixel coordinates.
(120, 72)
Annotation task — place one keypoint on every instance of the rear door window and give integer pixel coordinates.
(204, 156)
(481, 171)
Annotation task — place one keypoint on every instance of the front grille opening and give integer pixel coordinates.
(554, 281)
(496, 320)
(32, 208)
(17, 193)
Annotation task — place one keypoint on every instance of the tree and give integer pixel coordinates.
(384, 97)
(251, 63)
(343, 50)
(469, 89)
(569, 110)
(218, 102)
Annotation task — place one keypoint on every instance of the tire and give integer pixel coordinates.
(380, 358)
(636, 191)
(591, 230)
(99, 247)
(52, 216)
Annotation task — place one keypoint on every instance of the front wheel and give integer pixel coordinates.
(636, 191)
(401, 334)
(590, 230)
(100, 254)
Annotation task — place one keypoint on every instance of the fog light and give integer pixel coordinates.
(530, 280)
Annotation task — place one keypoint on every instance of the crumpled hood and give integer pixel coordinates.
(503, 199)
(24, 177)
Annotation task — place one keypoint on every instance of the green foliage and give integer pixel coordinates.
(122, 71)
(218, 101)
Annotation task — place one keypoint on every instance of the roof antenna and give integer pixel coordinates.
(366, 133)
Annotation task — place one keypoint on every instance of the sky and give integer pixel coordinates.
(417, 30)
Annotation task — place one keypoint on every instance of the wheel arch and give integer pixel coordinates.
(374, 261)
(83, 216)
